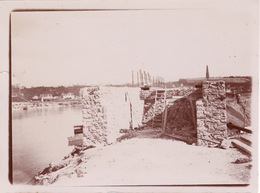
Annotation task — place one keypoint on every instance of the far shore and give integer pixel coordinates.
(23, 106)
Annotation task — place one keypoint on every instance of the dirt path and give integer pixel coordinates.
(159, 162)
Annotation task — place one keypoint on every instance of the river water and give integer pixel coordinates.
(40, 137)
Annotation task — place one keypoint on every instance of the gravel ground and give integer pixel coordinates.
(146, 161)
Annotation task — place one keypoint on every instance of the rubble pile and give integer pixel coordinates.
(71, 165)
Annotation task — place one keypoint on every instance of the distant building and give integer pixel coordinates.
(46, 97)
(36, 98)
(68, 96)
(56, 97)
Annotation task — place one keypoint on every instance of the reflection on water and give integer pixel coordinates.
(40, 137)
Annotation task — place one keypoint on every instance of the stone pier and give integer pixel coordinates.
(106, 110)
(211, 114)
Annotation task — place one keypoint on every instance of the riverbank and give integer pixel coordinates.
(40, 137)
(147, 160)
(34, 105)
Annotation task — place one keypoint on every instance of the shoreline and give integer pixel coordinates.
(35, 105)
(40, 137)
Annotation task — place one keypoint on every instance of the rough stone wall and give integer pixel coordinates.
(106, 110)
(171, 95)
(147, 94)
(94, 118)
(211, 114)
(148, 110)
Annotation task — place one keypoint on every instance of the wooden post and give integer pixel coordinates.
(141, 78)
(244, 111)
(137, 78)
(131, 115)
(133, 78)
(145, 78)
(165, 119)
(131, 110)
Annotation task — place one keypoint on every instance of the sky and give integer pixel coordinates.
(103, 47)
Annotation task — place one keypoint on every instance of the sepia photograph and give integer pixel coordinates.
(134, 97)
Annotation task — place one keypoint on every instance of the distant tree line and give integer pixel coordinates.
(29, 93)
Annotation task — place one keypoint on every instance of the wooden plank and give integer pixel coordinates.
(78, 131)
(78, 126)
(240, 145)
(246, 139)
(232, 126)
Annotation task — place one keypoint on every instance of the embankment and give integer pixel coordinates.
(140, 161)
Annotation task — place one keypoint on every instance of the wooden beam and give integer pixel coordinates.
(232, 126)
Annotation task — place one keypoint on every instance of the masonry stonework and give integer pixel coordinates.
(106, 110)
(170, 93)
(211, 114)
(148, 96)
